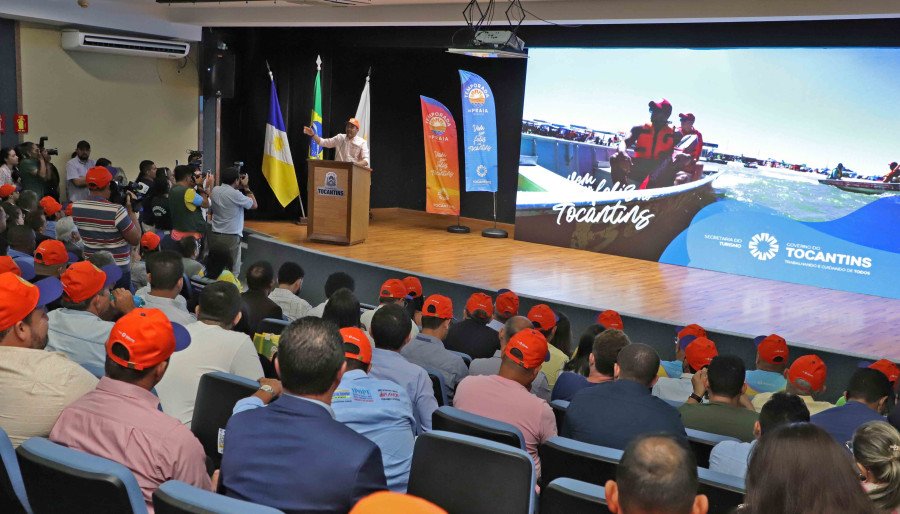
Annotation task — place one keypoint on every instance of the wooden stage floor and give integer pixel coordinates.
(813, 317)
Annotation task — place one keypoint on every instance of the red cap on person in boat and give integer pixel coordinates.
(660, 105)
(687, 116)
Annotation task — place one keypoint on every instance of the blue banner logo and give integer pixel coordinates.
(479, 133)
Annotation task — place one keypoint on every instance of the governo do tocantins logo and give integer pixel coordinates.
(763, 246)
(437, 123)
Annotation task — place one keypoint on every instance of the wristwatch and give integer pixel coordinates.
(694, 396)
(267, 388)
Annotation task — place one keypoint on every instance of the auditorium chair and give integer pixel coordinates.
(176, 497)
(454, 420)
(460, 473)
(272, 326)
(567, 458)
(725, 492)
(702, 444)
(62, 480)
(198, 283)
(216, 396)
(437, 385)
(568, 496)
(559, 412)
(12, 489)
(465, 357)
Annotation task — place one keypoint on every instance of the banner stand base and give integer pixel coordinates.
(494, 233)
(302, 221)
(458, 229)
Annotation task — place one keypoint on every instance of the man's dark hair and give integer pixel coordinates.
(36, 220)
(339, 280)
(12, 212)
(607, 346)
(20, 238)
(164, 269)
(144, 167)
(290, 272)
(431, 322)
(638, 362)
(782, 409)
(182, 172)
(229, 175)
(260, 276)
(868, 385)
(188, 247)
(103, 161)
(390, 327)
(726, 374)
(310, 354)
(28, 200)
(342, 309)
(219, 302)
(83, 145)
(118, 372)
(657, 473)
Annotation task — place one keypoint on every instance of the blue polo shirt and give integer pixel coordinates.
(842, 421)
(388, 365)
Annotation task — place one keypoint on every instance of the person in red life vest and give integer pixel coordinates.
(894, 174)
(653, 142)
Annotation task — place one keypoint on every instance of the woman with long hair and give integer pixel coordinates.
(9, 159)
(342, 309)
(876, 448)
(218, 265)
(562, 339)
(579, 363)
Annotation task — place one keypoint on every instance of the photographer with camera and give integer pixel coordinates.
(186, 199)
(33, 170)
(228, 202)
(76, 170)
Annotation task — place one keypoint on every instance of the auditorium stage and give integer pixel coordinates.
(808, 316)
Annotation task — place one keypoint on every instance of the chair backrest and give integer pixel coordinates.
(198, 283)
(187, 291)
(12, 489)
(568, 496)
(216, 396)
(272, 326)
(725, 492)
(452, 471)
(465, 356)
(451, 419)
(702, 444)
(62, 480)
(437, 385)
(176, 497)
(559, 412)
(566, 458)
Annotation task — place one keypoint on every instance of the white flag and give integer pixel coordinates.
(363, 116)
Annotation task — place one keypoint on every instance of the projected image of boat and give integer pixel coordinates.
(869, 187)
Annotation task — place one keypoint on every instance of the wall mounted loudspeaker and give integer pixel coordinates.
(219, 74)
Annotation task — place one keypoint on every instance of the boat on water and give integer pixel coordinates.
(868, 187)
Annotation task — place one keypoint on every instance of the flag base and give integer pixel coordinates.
(458, 229)
(494, 233)
(303, 221)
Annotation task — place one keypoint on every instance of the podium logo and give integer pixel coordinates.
(331, 188)
(331, 179)
(763, 246)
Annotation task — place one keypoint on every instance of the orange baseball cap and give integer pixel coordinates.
(69, 208)
(50, 206)
(149, 337)
(690, 330)
(528, 348)
(357, 345)
(700, 352)
(388, 502)
(507, 303)
(610, 319)
(808, 373)
(772, 348)
(413, 286)
(6, 190)
(393, 288)
(18, 297)
(890, 370)
(51, 253)
(543, 317)
(83, 280)
(150, 241)
(354, 121)
(98, 177)
(438, 306)
(19, 268)
(480, 302)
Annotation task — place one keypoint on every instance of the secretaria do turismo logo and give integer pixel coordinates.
(763, 246)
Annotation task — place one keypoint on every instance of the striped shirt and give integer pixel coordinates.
(101, 224)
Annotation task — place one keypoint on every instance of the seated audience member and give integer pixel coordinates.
(698, 353)
(602, 360)
(260, 282)
(52, 212)
(614, 413)
(610, 319)
(214, 347)
(68, 234)
(544, 319)
(796, 454)
(727, 412)
(385, 502)
(342, 309)
(657, 474)
(472, 336)
(378, 409)
(731, 457)
(9, 194)
(28, 201)
(415, 302)
(50, 259)
(21, 244)
(427, 349)
(876, 448)
(103, 259)
(505, 396)
(218, 265)
(335, 281)
(674, 369)
(392, 291)
(166, 276)
(771, 361)
(299, 427)
(867, 400)
(890, 370)
(7, 264)
(805, 378)
(120, 420)
(491, 365)
(149, 244)
(290, 281)
(390, 330)
(580, 359)
(189, 248)
(36, 221)
(506, 305)
(80, 328)
(35, 385)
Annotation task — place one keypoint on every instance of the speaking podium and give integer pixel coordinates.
(338, 202)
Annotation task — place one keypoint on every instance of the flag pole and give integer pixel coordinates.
(495, 233)
(302, 220)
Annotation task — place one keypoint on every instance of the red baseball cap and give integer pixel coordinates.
(890, 370)
(507, 303)
(480, 302)
(690, 330)
(662, 104)
(6, 190)
(18, 297)
(149, 337)
(69, 208)
(438, 306)
(50, 206)
(528, 348)
(353, 121)
(543, 317)
(700, 352)
(393, 288)
(20, 268)
(357, 345)
(150, 241)
(772, 348)
(610, 319)
(83, 280)
(98, 177)
(413, 286)
(51, 253)
(687, 116)
(808, 373)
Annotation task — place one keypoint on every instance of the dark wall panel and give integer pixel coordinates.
(8, 72)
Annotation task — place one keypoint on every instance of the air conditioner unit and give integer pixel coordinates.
(75, 40)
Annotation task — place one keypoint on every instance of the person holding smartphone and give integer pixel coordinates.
(228, 201)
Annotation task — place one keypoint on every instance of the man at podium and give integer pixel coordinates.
(349, 147)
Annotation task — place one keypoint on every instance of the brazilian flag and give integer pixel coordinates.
(315, 151)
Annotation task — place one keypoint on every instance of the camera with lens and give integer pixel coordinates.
(195, 158)
(120, 187)
(50, 151)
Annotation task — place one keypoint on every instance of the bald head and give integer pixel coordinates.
(657, 474)
(513, 326)
(638, 362)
